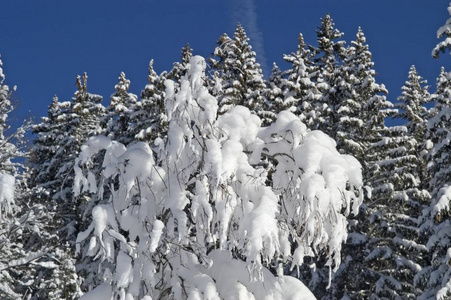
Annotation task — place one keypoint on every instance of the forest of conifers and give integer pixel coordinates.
(216, 183)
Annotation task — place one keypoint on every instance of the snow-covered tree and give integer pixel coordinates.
(59, 137)
(179, 69)
(274, 95)
(118, 115)
(328, 56)
(362, 109)
(443, 32)
(89, 110)
(394, 251)
(239, 78)
(148, 120)
(204, 224)
(26, 264)
(412, 108)
(436, 277)
(300, 92)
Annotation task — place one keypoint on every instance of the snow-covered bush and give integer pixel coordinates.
(199, 221)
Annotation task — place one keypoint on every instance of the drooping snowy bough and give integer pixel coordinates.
(194, 218)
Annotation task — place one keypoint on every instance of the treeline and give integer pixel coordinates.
(396, 247)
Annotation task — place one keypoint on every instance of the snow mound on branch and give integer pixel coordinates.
(7, 183)
(318, 186)
(203, 223)
(102, 292)
(233, 281)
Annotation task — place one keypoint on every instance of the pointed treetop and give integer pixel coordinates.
(55, 99)
(327, 29)
(443, 32)
(152, 74)
(81, 87)
(360, 36)
(413, 74)
(301, 44)
(240, 35)
(2, 76)
(187, 53)
(414, 95)
(123, 86)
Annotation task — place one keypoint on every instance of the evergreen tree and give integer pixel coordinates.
(436, 225)
(179, 69)
(239, 78)
(300, 92)
(59, 138)
(27, 256)
(49, 134)
(412, 108)
(360, 108)
(328, 56)
(148, 120)
(117, 118)
(274, 95)
(443, 32)
(89, 110)
(436, 277)
(59, 281)
(400, 196)
(356, 69)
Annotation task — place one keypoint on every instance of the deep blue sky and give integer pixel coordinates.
(45, 44)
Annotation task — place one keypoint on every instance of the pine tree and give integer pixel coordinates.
(300, 90)
(50, 132)
(436, 222)
(444, 31)
(274, 95)
(179, 69)
(148, 120)
(363, 107)
(27, 258)
(400, 197)
(239, 78)
(89, 110)
(328, 56)
(59, 138)
(436, 277)
(412, 108)
(118, 115)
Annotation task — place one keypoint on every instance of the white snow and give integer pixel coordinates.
(7, 183)
(102, 292)
(207, 161)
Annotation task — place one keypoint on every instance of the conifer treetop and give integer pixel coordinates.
(443, 32)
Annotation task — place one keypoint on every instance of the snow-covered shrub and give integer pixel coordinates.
(199, 222)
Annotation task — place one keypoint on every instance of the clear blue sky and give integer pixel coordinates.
(45, 44)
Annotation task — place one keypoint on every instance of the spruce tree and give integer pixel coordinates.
(361, 132)
(274, 95)
(400, 197)
(28, 260)
(179, 69)
(328, 56)
(300, 92)
(148, 120)
(436, 223)
(443, 32)
(118, 114)
(415, 96)
(239, 78)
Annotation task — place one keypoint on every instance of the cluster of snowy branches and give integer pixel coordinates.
(216, 183)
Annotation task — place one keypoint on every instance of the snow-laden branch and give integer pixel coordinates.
(203, 223)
